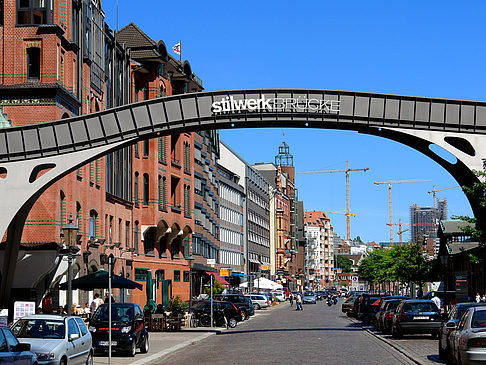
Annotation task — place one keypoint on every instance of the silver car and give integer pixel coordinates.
(259, 300)
(468, 338)
(59, 340)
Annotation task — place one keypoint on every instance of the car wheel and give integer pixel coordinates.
(396, 333)
(244, 316)
(434, 335)
(145, 345)
(232, 322)
(133, 348)
(63, 361)
(89, 360)
(257, 306)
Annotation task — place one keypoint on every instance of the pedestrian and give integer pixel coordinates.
(298, 302)
(437, 301)
(478, 298)
(61, 310)
(291, 298)
(47, 304)
(97, 301)
(86, 309)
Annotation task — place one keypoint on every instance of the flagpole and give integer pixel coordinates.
(180, 53)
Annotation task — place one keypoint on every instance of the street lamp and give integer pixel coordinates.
(443, 259)
(70, 232)
(190, 264)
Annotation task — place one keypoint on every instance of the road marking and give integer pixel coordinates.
(156, 356)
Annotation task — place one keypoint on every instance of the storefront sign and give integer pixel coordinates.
(300, 104)
(224, 271)
(299, 282)
(265, 267)
(22, 309)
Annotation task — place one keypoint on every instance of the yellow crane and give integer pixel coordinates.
(390, 204)
(347, 170)
(400, 230)
(435, 191)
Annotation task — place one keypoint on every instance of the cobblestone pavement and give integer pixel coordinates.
(422, 349)
(317, 335)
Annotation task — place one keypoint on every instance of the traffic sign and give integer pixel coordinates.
(355, 279)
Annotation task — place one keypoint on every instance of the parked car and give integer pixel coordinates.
(309, 297)
(468, 339)
(12, 351)
(367, 307)
(379, 317)
(128, 328)
(347, 305)
(56, 339)
(321, 294)
(416, 316)
(280, 295)
(259, 300)
(387, 316)
(230, 310)
(447, 326)
(242, 302)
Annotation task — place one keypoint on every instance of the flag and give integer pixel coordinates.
(177, 48)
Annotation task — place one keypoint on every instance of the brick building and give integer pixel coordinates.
(60, 59)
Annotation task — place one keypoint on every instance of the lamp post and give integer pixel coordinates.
(190, 264)
(70, 232)
(443, 259)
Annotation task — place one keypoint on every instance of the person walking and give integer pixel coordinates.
(437, 301)
(291, 299)
(47, 304)
(298, 302)
(97, 301)
(478, 298)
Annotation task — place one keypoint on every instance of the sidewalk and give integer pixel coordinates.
(164, 343)
(418, 348)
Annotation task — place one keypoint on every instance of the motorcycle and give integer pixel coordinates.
(329, 301)
(334, 300)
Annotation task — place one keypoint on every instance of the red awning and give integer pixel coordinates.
(218, 277)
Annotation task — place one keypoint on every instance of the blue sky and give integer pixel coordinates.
(423, 48)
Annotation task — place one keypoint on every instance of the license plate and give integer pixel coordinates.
(421, 317)
(107, 343)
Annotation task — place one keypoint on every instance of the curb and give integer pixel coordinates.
(388, 342)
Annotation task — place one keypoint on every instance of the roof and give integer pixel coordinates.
(453, 227)
(457, 247)
(316, 218)
(140, 44)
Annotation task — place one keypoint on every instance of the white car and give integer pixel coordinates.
(280, 295)
(55, 339)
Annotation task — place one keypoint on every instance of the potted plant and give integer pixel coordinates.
(176, 306)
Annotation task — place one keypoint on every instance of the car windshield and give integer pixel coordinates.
(199, 305)
(420, 307)
(119, 313)
(39, 328)
(479, 319)
(392, 305)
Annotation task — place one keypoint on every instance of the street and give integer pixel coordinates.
(317, 335)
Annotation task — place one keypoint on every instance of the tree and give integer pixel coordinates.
(343, 263)
(218, 288)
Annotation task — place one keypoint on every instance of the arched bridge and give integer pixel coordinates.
(33, 157)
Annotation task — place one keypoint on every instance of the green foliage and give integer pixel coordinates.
(218, 288)
(176, 305)
(407, 264)
(345, 283)
(343, 262)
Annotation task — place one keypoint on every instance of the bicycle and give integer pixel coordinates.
(219, 320)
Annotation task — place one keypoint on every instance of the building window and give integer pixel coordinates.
(164, 193)
(177, 275)
(33, 63)
(136, 189)
(93, 224)
(163, 246)
(186, 276)
(79, 218)
(145, 91)
(110, 231)
(175, 247)
(146, 148)
(135, 237)
(141, 274)
(136, 149)
(33, 11)
(127, 234)
(63, 209)
(163, 150)
(145, 189)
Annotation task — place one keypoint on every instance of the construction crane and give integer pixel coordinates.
(434, 192)
(390, 204)
(400, 230)
(351, 214)
(346, 171)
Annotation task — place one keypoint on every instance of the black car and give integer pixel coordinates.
(242, 302)
(13, 352)
(128, 328)
(368, 305)
(416, 316)
(201, 311)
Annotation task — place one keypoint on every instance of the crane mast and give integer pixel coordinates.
(348, 211)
